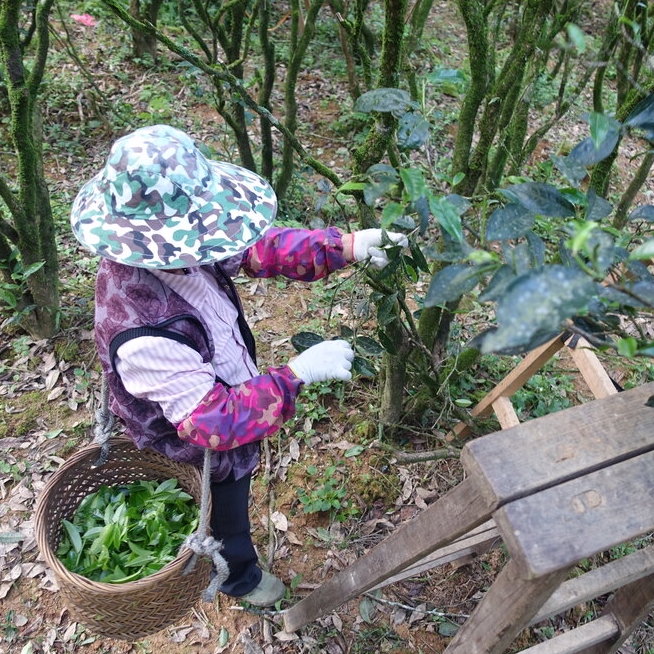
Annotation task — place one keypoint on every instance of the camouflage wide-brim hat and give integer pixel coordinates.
(160, 203)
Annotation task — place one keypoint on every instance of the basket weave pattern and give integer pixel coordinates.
(138, 608)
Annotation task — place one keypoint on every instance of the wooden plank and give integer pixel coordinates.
(560, 446)
(592, 370)
(577, 640)
(505, 610)
(449, 517)
(562, 525)
(629, 606)
(598, 582)
(506, 415)
(473, 543)
(515, 380)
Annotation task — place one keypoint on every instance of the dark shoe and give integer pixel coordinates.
(269, 590)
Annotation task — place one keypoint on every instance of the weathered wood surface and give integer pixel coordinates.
(598, 582)
(515, 380)
(577, 640)
(592, 370)
(475, 542)
(454, 514)
(505, 413)
(629, 606)
(547, 451)
(576, 519)
(504, 611)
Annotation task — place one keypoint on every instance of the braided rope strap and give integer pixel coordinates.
(104, 425)
(204, 545)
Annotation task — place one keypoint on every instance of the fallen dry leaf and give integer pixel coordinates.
(279, 520)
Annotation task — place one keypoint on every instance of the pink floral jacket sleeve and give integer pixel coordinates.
(253, 410)
(301, 254)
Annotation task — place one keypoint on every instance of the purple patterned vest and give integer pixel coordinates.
(131, 302)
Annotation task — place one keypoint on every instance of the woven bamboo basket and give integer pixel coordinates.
(135, 609)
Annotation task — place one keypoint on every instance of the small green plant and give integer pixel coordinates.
(12, 291)
(544, 393)
(123, 533)
(327, 494)
(310, 410)
(8, 627)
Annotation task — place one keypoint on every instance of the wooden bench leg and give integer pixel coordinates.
(629, 606)
(452, 515)
(505, 610)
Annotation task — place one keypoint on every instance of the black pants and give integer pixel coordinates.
(230, 523)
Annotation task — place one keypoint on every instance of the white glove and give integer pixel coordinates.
(367, 244)
(326, 360)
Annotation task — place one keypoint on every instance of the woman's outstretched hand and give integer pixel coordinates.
(367, 244)
(323, 361)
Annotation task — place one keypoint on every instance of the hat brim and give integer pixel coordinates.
(241, 207)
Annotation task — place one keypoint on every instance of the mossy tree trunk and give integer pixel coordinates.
(600, 178)
(230, 26)
(630, 47)
(502, 96)
(266, 84)
(30, 229)
(144, 44)
(481, 64)
(298, 47)
(417, 21)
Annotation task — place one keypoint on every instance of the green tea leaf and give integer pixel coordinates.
(534, 307)
(509, 222)
(304, 340)
(447, 216)
(384, 100)
(414, 183)
(540, 198)
(74, 535)
(450, 284)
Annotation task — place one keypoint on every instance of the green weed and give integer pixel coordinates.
(327, 494)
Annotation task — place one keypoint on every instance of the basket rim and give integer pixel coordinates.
(174, 567)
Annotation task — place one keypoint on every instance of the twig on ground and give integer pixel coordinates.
(417, 457)
(406, 607)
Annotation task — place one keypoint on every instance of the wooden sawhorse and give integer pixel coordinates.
(560, 489)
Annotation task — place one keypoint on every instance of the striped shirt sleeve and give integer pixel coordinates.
(204, 412)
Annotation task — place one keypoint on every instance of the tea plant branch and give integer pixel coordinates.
(406, 607)
(266, 84)
(271, 504)
(6, 228)
(411, 327)
(195, 34)
(298, 49)
(224, 75)
(418, 457)
(621, 218)
(41, 21)
(589, 336)
(248, 35)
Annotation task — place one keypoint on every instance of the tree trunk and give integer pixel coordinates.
(503, 92)
(378, 139)
(265, 91)
(620, 219)
(144, 44)
(480, 58)
(32, 233)
(299, 46)
(394, 379)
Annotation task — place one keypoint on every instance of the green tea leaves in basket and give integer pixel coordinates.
(124, 533)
